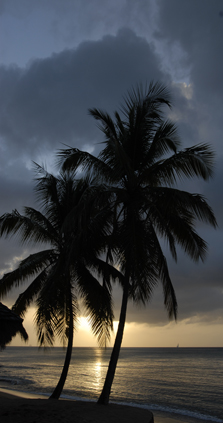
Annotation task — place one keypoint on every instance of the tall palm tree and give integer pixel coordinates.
(141, 163)
(66, 226)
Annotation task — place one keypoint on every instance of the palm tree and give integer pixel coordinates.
(66, 268)
(141, 163)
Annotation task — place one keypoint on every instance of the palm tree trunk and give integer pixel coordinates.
(104, 397)
(57, 391)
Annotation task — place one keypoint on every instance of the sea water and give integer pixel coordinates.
(184, 381)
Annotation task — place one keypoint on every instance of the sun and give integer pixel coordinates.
(84, 324)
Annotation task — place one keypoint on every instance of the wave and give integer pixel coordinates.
(9, 380)
(15, 381)
(182, 412)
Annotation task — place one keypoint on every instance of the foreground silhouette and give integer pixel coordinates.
(140, 166)
(10, 325)
(65, 268)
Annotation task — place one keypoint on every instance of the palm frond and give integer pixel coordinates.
(72, 159)
(27, 268)
(107, 272)
(106, 123)
(46, 188)
(170, 300)
(27, 297)
(52, 315)
(165, 203)
(174, 213)
(152, 97)
(27, 228)
(194, 161)
(98, 304)
(165, 140)
(63, 319)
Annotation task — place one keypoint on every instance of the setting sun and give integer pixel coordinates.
(83, 324)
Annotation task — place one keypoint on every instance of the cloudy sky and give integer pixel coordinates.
(60, 58)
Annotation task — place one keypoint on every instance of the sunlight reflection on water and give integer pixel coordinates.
(164, 379)
(97, 374)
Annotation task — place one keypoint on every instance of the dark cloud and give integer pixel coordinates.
(45, 104)
(198, 31)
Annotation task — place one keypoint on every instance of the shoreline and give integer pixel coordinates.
(13, 402)
(17, 407)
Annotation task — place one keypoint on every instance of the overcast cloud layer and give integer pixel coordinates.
(57, 60)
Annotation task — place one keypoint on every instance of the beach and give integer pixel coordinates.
(22, 407)
(17, 408)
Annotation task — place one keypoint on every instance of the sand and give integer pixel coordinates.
(19, 407)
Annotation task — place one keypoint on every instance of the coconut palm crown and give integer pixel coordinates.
(65, 269)
(141, 164)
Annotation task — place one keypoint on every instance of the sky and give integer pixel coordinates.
(60, 58)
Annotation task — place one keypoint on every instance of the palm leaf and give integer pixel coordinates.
(193, 161)
(27, 228)
(27, 268)
(71, 159)
(28, 296)
(98, 304)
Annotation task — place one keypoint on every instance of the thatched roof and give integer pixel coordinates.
(10, 325)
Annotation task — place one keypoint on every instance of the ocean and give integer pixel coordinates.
(186, 382)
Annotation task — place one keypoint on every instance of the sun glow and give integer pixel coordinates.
(115, 326)
(186, 333)
(83, 324)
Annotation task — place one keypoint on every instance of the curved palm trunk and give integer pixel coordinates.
(104, 397)
(57, 391)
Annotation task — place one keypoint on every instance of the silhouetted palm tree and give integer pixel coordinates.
(140, 164)
(67, 267)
